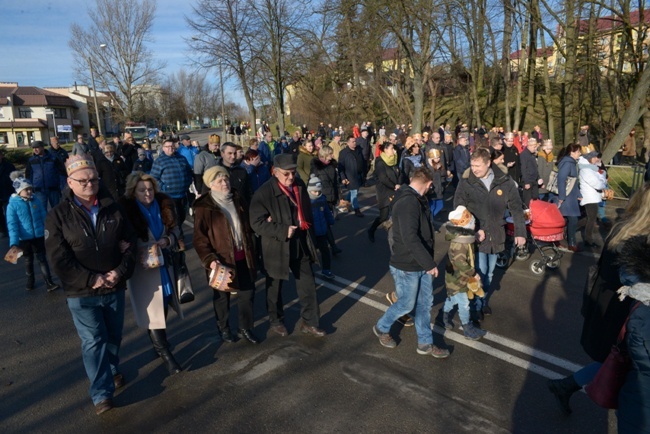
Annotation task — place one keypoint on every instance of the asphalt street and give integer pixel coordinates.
(345, 382)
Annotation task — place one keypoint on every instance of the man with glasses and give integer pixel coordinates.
(280, 213)
(174, 177)
(91, 247)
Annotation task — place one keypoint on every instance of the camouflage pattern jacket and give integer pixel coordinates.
(460, 265)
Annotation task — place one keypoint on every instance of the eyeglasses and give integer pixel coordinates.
(286, 173)
(85, 182)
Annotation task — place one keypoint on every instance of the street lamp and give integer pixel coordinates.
(92, 78)
(12, 120)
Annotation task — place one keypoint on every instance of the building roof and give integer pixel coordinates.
(540, 53)
(24, 123)
(611, 22)
(34, 97)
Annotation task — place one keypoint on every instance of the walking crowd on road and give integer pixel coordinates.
(116, 214)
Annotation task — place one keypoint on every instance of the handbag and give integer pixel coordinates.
(184, 289)
(607, 383)
(552, 183)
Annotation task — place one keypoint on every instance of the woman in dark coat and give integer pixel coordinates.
(602, 310)
(568, 202)
(388, 181)
(222, 235)
(324, 167)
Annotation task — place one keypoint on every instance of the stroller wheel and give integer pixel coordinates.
(552, 256)
(502, 260)
(537, 267)
(522, 253)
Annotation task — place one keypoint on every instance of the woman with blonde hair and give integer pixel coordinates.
(604, 313)
(153, 217)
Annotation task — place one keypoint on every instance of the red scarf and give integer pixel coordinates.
(294, 197)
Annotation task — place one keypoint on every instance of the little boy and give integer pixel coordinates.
(323, 218)
(461, 279)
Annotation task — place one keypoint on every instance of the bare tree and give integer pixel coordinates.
(115, 43)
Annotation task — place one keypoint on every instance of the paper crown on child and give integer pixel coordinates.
(462, 218)
(434, 153)
(78, 162)
(19, 182)
(588, 151)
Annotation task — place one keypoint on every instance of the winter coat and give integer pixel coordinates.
(329, 179)
(387, 178)
(449, 156)
(409, 163)
(270, 201)
(364, 146)
(60, 154)
(6, 185)
(511, 154)
(352, 167)
(461, 159)
(25, 219)
(567, 167)
(257, 175)
(213, 239)
(106, 173)
(592, 182)
(142, 165)
(322, 214)
(239, 181)
(544, 168)
(489, 208)
(529, 171)
(203, 162)
(145, 284)
(629, 147)
(304, 164)
(78, 251)
(412, 232)
(460, 265)
(120, 171)
(189, 153)
(437, 191)
(45, 172)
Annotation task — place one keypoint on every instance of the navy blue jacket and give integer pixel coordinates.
(45, 172)
(322, 215)
(461, 159)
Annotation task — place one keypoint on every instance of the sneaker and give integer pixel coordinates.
(432, 350)
(391, 297)
(406, 321)
(384, 338)
(327, 274)
(486, 310)
(472, 332)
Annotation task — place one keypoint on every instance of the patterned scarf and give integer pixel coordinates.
(294, 197)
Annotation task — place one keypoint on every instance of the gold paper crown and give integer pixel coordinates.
(587, 149)
(78, 162)
(434, 153)
(214, 138)
(463, 220)
(547, 142)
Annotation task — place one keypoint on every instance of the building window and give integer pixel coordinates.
(25, 113)
(60, 113)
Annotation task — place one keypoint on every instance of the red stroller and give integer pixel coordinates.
(545, 229)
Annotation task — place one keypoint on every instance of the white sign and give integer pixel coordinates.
(64, 128)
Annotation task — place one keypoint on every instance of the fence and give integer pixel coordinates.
(625, 180)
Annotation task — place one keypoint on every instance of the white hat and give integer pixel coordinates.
(19, 181)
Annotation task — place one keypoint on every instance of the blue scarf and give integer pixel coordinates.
(157, 228)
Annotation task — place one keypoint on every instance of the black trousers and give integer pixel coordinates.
(245, 296)
(592, 214)
(306, 288)
(383, 216)
(323, 246)
(181, 210)
(531, 193)
(35, 246)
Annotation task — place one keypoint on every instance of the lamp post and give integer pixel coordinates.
(12, 120)
(92, 79)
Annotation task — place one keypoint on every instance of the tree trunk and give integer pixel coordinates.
(505, 61)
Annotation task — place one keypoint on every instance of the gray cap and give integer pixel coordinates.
(37, 144)
(284, 161)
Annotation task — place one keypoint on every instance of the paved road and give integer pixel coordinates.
(345, 382)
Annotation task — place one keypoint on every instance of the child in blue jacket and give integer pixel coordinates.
(26, 227)
(323, 218)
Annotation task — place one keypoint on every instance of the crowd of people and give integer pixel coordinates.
(117, 210)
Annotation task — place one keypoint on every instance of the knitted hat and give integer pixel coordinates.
(315, 187)
(78, 162)
(19, 181)
(462, 218)
(214, 138)
(213, 173)
(434, 153)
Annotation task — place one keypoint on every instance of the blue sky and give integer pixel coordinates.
(35, 50)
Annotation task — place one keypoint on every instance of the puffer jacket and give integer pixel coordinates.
(78, 251)
(489, 208)
(592, 182)
(45, 172)
(460, 266)
(322, 215)
(25, 219)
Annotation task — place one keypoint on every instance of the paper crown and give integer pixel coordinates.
(78, 162)
(214, 138)
(461, 217)
(434, 153)
(587, 149)
(510, 136)
(547, 142)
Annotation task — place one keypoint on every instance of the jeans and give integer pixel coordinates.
(51, 196)
(436, 206)
(486, 264)
(352, 198)
(99, 321)
(414, 291)
(462, 301)
(601, 211)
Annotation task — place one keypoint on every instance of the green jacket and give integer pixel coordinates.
(460, 265)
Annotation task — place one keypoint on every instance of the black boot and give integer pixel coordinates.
(45, 270)
(29, 271)
(159, 340)
(51, 286)
(563, 389)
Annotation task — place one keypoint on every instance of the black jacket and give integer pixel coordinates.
(77, 251)
(270, 201)
(329, 179)
(489, 208)
(364, 146)
(510, 154)
(239, 181)
(6, 185)
(412, 232)
(106, 173)
(387, 178)
(352, 167)
(529, 170)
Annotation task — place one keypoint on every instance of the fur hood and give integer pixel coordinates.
(167, 212)
(634, 262)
